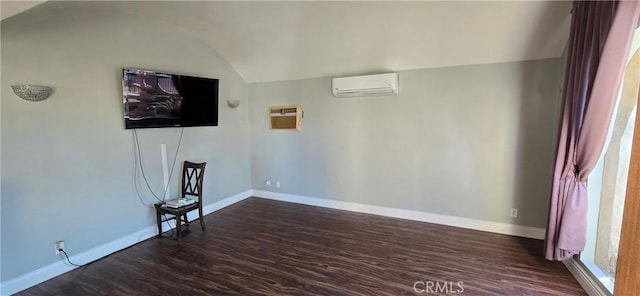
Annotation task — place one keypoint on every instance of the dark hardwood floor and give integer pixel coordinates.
(263, 247)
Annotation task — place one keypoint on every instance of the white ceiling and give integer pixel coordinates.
(271, 41)
(11, 8)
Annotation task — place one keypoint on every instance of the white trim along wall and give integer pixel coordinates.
(489, 226)
(50, 271)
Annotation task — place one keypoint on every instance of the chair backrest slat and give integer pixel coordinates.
(192, 178)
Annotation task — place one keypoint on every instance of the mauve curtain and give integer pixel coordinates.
(599, 44)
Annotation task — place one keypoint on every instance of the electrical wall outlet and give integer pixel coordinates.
(268, 183)
(277, 184)
(59, 245)
(514, 213)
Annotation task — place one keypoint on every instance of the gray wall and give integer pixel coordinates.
(67, 162)
(469, 141)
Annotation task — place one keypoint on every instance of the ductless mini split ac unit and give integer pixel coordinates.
(364, 86)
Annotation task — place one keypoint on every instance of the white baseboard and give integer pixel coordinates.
(589, 283)
(52, 270)
(42, 274)
(496, 227)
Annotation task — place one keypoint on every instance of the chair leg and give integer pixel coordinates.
(178, 227)
(159, 222)
(201, 218)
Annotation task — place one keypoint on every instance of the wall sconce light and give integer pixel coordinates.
(33, 93)
(233, 103)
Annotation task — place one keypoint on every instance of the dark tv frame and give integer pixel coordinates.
(159, 100)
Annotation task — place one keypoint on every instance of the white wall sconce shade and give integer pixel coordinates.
(33, 93)
(233, 103)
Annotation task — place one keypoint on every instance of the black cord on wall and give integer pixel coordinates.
(139, 161)
(69, 260)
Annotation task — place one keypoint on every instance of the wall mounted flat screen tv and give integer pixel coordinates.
(153, 99)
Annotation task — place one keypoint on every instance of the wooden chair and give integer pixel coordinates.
(192, 177)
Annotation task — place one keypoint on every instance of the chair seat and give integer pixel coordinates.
(178, 211)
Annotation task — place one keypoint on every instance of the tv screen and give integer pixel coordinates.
(154, 99)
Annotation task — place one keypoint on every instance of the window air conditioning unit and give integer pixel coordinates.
(285, 118)
(364, 86)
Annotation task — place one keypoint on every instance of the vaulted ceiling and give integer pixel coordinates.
(271, 41)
